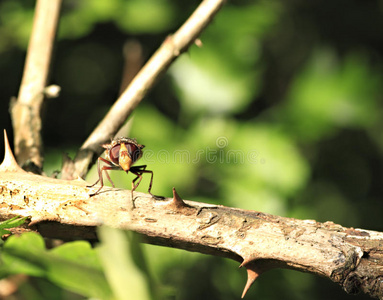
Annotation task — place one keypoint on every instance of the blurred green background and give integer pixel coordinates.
(280, 111)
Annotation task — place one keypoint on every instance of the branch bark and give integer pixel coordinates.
(353, 258)
(26, 109)
(172, 47)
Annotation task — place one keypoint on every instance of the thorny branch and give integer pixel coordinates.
(171, 48)
(26, 109)
(352, 258)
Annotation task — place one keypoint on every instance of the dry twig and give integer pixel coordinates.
(171, 48)
(26, 109)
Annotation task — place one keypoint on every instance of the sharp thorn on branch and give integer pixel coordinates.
(254, 268)
(177, 202)
(9, 163)
(252, 275)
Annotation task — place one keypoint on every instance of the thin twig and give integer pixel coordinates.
(171, 48)
(26, 109)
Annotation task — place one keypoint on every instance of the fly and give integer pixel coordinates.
(121, 154)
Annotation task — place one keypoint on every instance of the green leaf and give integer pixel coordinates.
(24, 254)
(11, 223)
(76, 266)
(73, 266)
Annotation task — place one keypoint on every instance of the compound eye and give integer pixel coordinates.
(134, 152)
(114, 154)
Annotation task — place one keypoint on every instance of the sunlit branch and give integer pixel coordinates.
(26, 109)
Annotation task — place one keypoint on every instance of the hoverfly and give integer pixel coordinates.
(121, 154)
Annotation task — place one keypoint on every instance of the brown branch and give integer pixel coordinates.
(171, 48)
(26, 109)
(352, 258)
(133, 61)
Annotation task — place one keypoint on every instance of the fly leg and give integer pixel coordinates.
(139, 171)
(100, 169)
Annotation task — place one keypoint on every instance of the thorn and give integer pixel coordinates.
(252, 275)
(9, 163)
(177, 202)
(254, 268)
(178, 205)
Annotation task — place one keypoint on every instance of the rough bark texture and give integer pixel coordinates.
(63, 209)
